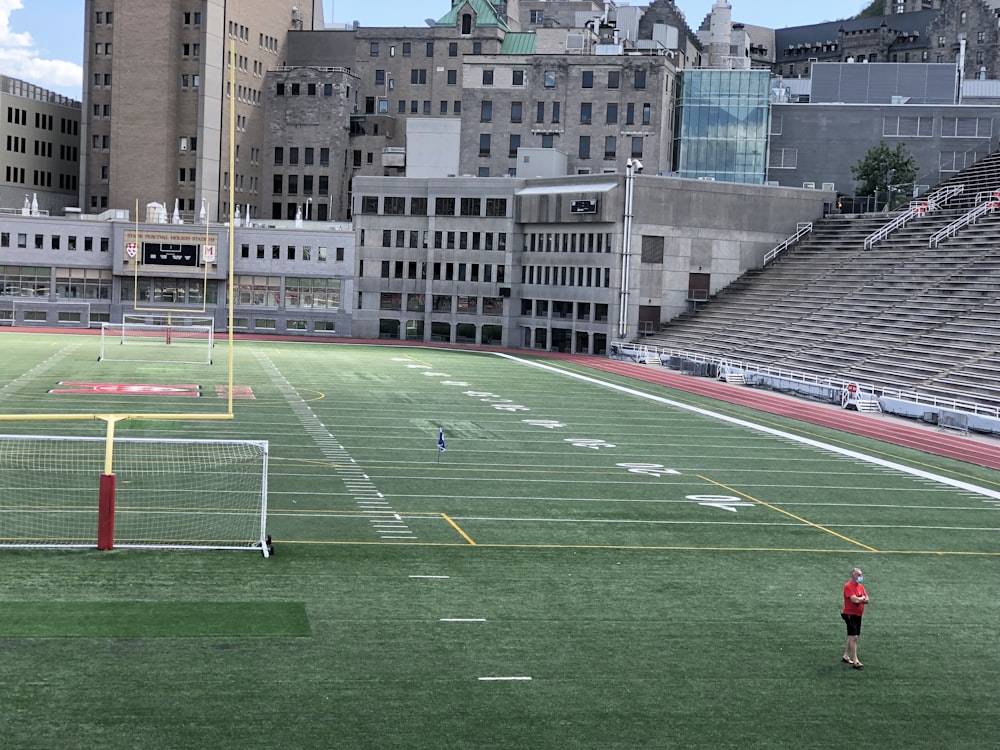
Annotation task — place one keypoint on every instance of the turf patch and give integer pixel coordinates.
(153, 620)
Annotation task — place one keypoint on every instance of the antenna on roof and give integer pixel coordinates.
(430, 22)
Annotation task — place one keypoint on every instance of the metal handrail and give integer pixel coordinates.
(932, 202)
(804, 228)
(971, 217)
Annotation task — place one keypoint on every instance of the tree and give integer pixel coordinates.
(885, 170)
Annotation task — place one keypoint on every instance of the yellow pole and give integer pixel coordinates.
(232, 228)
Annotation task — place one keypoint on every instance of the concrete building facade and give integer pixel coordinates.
(70, 272)
(41, 147)
(545, 264)
(165, 85)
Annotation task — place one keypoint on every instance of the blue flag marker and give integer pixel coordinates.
(441, 439)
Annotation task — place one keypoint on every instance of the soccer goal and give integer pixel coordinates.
(157, 342)
(181, 494)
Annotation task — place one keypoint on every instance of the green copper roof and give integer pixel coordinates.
(518, 43)
(486, 14)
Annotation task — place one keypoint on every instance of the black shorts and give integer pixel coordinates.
(853, 623)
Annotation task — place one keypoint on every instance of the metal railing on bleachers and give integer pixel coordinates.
(803, 228)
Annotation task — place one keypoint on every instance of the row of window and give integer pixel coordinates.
(289, 211)
(445, 240)
(566, 276)
(41, 178)
(395, 205)
(375, 48)
(567, 242)
(291, 251)
(19, 116)
(55, 242)
(305, 89)
(70, 283)
(488, 273)
(166, 290)
(547, 140)
(441, 303)
(289, 184)
(307, 154)
(612, 112)
(298, 292)
(539, 308)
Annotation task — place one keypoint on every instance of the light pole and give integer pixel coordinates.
(632, 167)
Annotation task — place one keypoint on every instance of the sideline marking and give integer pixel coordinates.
(465, 536)
(496, 679)
(435, 577)
(786, 513)
(650, 548)
(756, 426)
(462, 619)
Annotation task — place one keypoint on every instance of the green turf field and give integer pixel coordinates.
(592, 562)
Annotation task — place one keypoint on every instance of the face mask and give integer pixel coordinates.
(860, 579)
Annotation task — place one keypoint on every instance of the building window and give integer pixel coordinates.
(637, 146)
(587, 79)
(586, 109)
(515, 144)
(549, 79)
(495, 207)
(640, 79)
(584, 147)
(612, 114)
(487, 77)
(486, 112)
(614, 79)
(610, 147)
(517, 78)
(373, 49)
(471, 207)
(515, 111)
(536, 17)
(484, 145)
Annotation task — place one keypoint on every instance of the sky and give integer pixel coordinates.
(41, 41)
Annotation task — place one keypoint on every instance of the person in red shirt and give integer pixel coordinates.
(855, 599)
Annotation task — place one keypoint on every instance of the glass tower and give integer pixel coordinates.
(723, 118)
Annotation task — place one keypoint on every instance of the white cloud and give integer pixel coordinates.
(20, 58)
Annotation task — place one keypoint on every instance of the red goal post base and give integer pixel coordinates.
(106, 513)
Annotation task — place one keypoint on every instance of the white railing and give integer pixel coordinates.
(641, 352)
(987, 207)
(917, 208)
(803, 228)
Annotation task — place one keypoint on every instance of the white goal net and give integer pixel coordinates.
(195, 494)
(157, 342)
